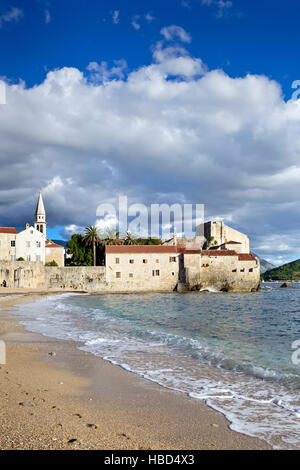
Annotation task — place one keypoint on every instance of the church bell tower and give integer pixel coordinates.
(40, 217)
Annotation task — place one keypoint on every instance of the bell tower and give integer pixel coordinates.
(40, 217)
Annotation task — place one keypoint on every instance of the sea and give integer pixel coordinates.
(234, 351)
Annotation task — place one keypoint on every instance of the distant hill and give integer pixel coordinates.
(264, 265)
(287, 272)
(60, 242)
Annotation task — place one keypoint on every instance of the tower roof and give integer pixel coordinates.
(40, 209)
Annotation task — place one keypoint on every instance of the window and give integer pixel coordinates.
(243, 270)
(38, 258)
(118, 275)
(117, 260)
(157, 261)
(172, 259)
(12, 258)
(145, 261)
(155, 272)
(13, 243)
(38, 244)
(173, 274)
(28, 258)
(234, 270)
(130, 274)
(251, 270)
(131, 261)
(28, 244)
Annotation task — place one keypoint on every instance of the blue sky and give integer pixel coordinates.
(248, 36)
(173, 101)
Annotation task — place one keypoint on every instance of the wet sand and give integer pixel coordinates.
(74, 400)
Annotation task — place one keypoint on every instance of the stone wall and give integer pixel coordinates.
(222, 272)
(85, 278)
(222, 233)
(55, 254)
(22, 274)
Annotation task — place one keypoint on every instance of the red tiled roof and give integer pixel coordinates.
(140, 249)
(8, 230)
(246, 257)
(210, 252)
(50, 244)
(219, 253)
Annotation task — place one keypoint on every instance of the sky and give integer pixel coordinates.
(180, 101)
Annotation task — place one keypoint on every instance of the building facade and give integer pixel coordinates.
(31, 244)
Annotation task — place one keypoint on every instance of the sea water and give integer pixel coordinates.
(234, 351)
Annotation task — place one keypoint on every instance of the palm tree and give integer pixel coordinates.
(130, 239)
(91, 237)
(111, 237)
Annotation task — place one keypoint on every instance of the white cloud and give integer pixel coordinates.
(174, 32)
(116, 16)
(149, 17)
(14, 14)
(101, 73)
(135, 23)
(171, 131)
(47, 17)
(222, 6)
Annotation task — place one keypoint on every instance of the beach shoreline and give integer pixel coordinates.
(71, 399)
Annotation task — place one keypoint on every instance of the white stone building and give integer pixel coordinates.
(31, 244)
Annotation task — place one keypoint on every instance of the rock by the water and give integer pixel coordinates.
(286, 284)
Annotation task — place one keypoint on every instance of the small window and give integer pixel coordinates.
(145, 261)
(38, 244)
(172, 259)
(155, 272)
(28, 258)
(130, 274)
(234, 270)
(157, 261)
(13, 243)
(243, 270)
(251, 270)
(131, 261)
(28, 244)
(173, 274)
(118, 275)
(12, 258)
(38, 258)
(117, 260)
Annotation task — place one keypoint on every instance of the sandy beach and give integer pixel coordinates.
(55, 396)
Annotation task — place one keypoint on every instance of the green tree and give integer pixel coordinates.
(79, 254)
(130, 239)
(52, 263)
(92, 237)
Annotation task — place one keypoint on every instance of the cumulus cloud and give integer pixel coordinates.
(171, 131)
(13, 14)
